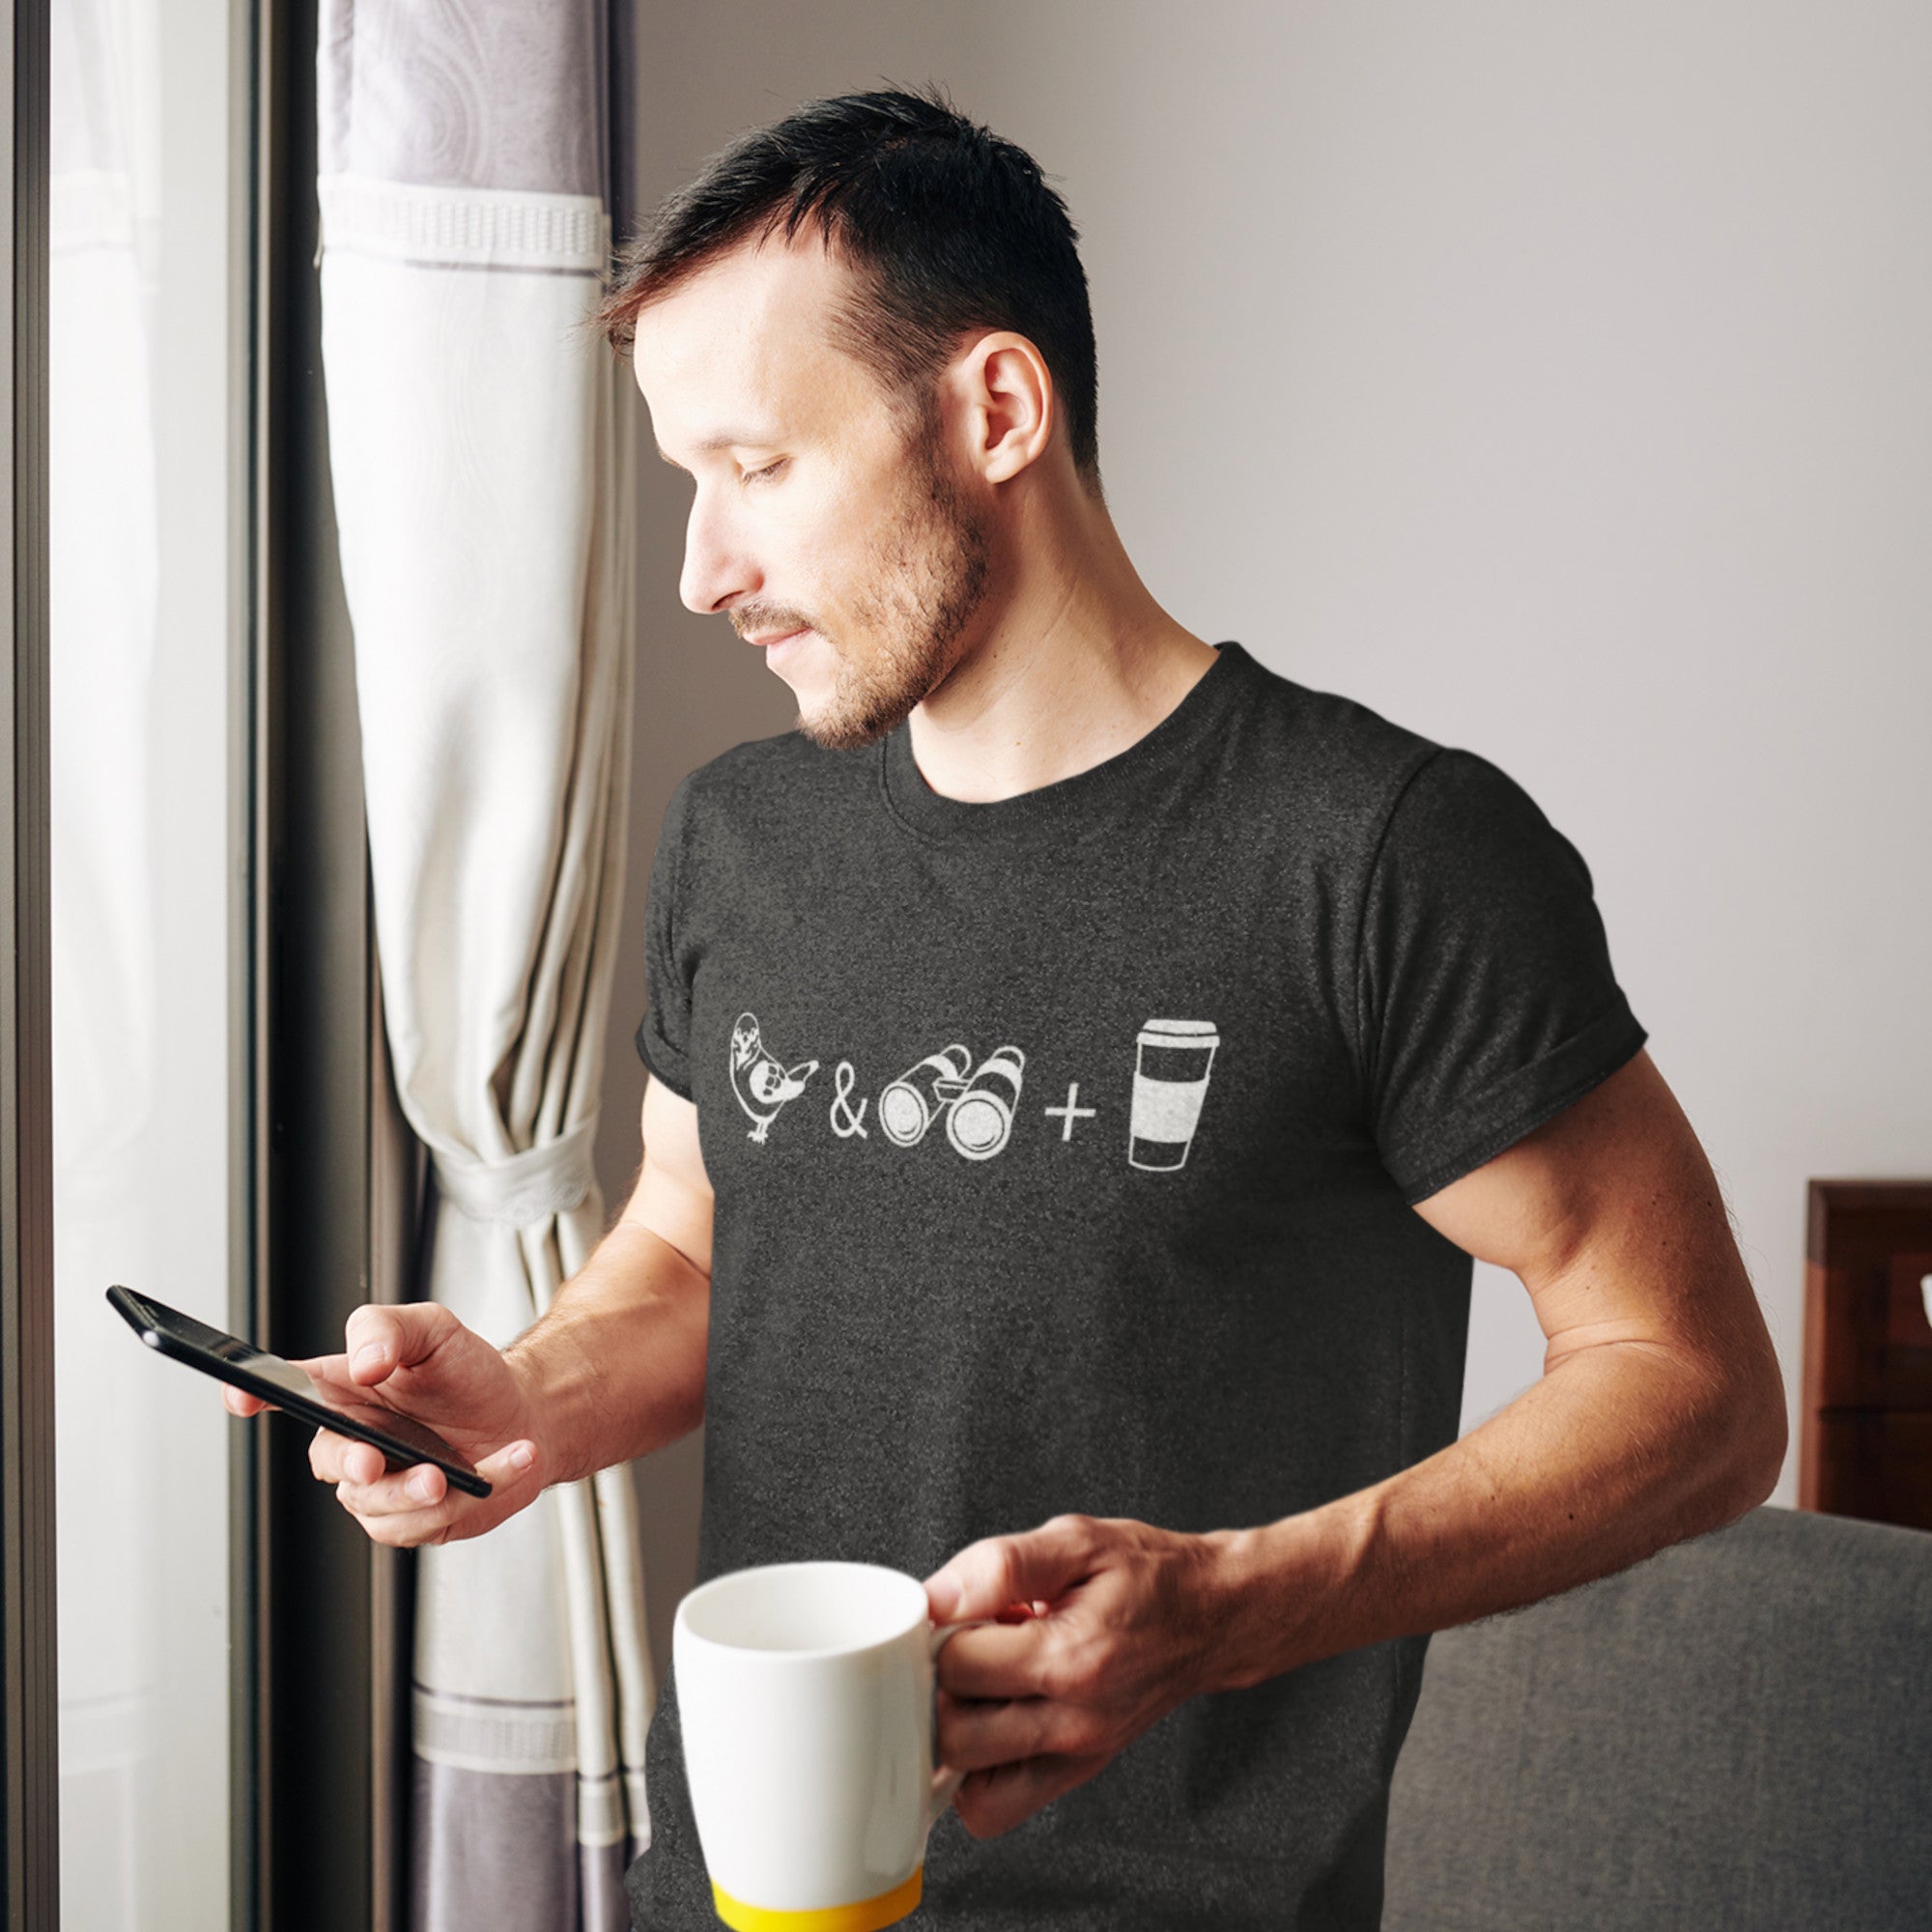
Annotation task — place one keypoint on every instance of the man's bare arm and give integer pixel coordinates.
(615, 1367)
(1660, 1412)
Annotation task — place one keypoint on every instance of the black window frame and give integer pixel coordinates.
(28, 1676)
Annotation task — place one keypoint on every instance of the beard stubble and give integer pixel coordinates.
(931, 573)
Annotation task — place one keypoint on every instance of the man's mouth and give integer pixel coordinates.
(781, 643)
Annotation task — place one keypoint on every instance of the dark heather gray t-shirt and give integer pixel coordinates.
(1064, 1151)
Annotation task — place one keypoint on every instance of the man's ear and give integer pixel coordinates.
(1009, 403)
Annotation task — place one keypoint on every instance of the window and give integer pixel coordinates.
(201, 1701)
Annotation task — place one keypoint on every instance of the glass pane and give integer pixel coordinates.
(140, 571)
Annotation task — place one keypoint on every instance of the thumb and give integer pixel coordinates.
(999, 1572)
(514, 1466)
(381, 1338)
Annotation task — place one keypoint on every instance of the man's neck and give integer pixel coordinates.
(1082, 664)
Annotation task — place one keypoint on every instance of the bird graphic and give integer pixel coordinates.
(762, 1083)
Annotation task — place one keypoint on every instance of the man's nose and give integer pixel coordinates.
(717, 566)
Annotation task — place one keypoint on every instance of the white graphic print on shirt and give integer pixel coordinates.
(1173, 1061)
(978, 1106)
(1072, 1111)
(911, 1104)
(845, 1123)
(762, 1083)
(982, 1116)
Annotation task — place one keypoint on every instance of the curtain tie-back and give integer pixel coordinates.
(528, 1187)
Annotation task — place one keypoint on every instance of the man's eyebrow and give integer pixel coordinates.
(729, 438)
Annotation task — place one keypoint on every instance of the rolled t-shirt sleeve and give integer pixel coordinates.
(664, 1035)
(1486, 1001)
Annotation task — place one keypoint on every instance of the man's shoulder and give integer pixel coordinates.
(1337, 753)
(1368, 780)
(780, 775)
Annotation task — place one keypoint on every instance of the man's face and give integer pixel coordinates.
(817, 511)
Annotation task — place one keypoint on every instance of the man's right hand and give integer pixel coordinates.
(418, 1359)
(615, 1368)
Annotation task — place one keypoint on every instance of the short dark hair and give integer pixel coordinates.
(947, 227)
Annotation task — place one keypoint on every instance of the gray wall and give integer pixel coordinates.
(1552, 380)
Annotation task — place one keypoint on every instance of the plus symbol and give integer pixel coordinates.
(1071, 1112)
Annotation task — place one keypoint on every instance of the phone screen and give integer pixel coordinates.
(229, 1358)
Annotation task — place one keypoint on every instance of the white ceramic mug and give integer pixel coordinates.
(807, 1697)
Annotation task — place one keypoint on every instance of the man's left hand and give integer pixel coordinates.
(1127, 1622)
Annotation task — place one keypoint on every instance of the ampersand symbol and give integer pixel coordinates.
(844, 1121)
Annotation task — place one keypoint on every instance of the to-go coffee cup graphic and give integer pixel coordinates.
(1172, 1062)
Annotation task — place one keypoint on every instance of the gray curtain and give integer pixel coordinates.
(481, 451)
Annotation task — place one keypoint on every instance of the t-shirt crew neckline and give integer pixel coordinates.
(1070, 806)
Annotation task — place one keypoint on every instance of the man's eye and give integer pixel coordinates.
(770, 470)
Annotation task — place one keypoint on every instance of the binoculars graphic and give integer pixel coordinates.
(977, 1104)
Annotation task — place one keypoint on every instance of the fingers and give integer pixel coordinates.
(407, 1507)
(995, 1800)
(238, 1402)
(361, 1468)
(382, 1338)
(996, 1661)
(330, 1457)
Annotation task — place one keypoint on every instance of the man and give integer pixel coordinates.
(1084, 1064)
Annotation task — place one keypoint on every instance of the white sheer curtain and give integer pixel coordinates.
(482, 478)
(105, 87)
(138, 371)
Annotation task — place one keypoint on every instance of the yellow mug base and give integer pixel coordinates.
(869, 1915)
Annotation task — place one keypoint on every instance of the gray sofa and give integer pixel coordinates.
(1736, 1733)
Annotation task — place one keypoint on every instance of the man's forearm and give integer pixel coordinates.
(615, 1367)
(1619, 1450)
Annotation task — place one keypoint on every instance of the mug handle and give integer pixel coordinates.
(945, 1783)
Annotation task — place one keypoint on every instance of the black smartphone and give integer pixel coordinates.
(230, 1359)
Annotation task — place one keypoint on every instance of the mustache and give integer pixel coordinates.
(751, 620)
